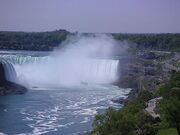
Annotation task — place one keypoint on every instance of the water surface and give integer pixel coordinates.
(62, 111)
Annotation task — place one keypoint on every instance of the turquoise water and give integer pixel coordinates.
(62, 111)
(54, 110)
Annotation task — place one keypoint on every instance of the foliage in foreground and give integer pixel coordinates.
(133, 120)
(130, 120)
(169, 106)
(169, 131)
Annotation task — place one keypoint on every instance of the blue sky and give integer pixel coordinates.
(125, 16)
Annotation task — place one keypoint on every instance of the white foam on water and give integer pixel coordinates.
(81, 107)
(86, 119)
(3, 133)
(88, 111)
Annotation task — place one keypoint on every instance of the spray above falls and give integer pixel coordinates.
(80, 60)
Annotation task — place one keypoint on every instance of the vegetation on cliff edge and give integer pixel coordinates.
(132, 119)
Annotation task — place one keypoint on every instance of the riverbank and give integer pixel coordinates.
(146, 71)
(140, 116)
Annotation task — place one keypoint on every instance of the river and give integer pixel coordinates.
(60, 110)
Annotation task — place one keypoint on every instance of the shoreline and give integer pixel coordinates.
(130, 96)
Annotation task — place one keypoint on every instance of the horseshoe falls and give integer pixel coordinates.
(49, 71)
(66, 88)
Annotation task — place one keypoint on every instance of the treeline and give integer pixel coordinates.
(45, 41)
(162, 42)
(40, 41)
(132, 119)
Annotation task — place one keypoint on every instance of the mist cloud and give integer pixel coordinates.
(82, 59)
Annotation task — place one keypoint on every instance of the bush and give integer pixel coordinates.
(130, 120)
(169, 106)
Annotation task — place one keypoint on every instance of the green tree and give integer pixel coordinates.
(170, 111)
(114, 123)
(146, 124)
(169, 106)
(130, 120)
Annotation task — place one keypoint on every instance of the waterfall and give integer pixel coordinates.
(10, 73)
(101, 70)
(57, 71)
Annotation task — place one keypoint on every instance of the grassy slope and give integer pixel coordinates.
(169, 131)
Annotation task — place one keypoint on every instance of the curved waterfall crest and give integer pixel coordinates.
(49, 70)
(20, 59)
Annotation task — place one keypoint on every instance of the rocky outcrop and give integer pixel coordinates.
(8, 87)
(172, 64)
(145, 71)
(138, 73)
(151, 107)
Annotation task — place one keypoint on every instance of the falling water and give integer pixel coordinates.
(60, 72)
(49, 107)
(10, 73)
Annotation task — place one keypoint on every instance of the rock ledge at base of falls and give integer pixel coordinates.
(11, 88)
(7, 87)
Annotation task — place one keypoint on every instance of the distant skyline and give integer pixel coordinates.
(102, 16)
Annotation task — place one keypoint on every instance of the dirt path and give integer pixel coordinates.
(152, 106)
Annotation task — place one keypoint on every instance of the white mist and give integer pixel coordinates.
(81, 60)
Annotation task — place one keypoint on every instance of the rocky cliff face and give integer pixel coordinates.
(147, 70)
(7, 87)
